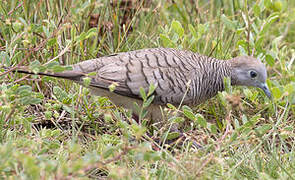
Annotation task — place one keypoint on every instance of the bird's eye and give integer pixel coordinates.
(253, 74)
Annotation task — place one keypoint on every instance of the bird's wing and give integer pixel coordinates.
(169, 70)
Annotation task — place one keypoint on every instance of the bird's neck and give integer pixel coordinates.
(222, 70)
(212, 80)
(232, 75)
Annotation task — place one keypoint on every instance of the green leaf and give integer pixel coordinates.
(110, 151)
(48, 114)
(52, 64)
(17, 26)
(25, 100)
(228, 23)
(92, 74)
(193, 31)
(138, 130)
(23, 21)
(136, 107)
(248, 93)
(68, 109)
(152, 88)
(24, 88)
(172, 135)
(86, 81)
(35, 100)
(267, 24)
(166, 41)
(267, 4)
(227, 84)
(278, 6)
(68, 68)
(255, 119)
(5, 108)
(213, 128)
(171, 106)
(176, 119)
(202, 28)
(57, 107)
(46, 31)
(236, 123)
(187, 108)
(60, 94)
(81, 37)
(177, 27)
(239, 31)
(243, 51)
(148, 101)
(51, 42)
(91, 32)
(150, 155)
(58, 68)
(248, 124)
(35, 66)
(143, 113)
(277, 94)
(201, 120)
(289, 128)
(256, 10)
(142, 93)
(35, 63)
(188, 113)
(290, 88)
(5, 58)
(259, 41)
(113, 86)
(234, 136)
(264, 128)
(269, 59)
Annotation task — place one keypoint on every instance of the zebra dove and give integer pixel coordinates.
(170, 71)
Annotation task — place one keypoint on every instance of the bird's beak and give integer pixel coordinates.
(266, 90)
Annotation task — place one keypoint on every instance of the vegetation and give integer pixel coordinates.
(54, 129)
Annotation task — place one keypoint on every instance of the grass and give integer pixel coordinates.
(54, 129)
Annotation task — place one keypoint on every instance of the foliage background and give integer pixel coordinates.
(54, 129)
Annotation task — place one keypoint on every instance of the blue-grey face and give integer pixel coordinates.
(248, 71)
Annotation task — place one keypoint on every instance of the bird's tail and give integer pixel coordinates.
(68, 74)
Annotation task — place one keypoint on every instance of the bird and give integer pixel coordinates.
(180, 77)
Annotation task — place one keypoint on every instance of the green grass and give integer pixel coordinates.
(54, 129)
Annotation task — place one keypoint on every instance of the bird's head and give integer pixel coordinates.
(248, 71)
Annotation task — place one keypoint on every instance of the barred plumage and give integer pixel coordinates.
(169, 70)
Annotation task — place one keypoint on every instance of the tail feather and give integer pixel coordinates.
(78, 76)
(70, 74)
